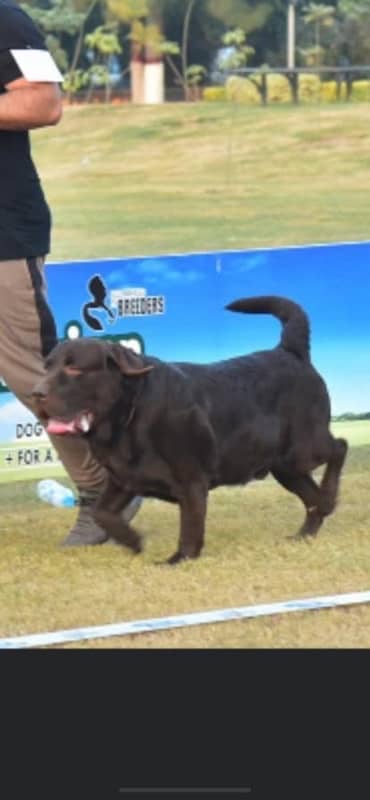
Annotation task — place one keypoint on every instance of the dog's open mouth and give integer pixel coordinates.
(80, 424)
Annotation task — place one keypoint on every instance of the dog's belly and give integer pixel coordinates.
(244, 455)
(159, 492)
(249, 453)
(148, 476)
(232, 473)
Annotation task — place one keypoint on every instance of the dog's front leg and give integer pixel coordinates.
(107, 514)
(193, 509)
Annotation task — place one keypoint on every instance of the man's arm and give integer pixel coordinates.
(27, 105)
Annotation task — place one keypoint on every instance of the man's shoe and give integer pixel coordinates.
(85, 530)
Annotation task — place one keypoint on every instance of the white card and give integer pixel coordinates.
(37, 65)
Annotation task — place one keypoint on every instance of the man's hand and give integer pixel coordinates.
(27, 105)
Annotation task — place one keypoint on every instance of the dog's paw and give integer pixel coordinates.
(300, 537)
(137, 544)
(133, 540)
(176, 558)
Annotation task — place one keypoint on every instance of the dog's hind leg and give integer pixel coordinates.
(307, 490)
(330, 482)
(193, 509)
(319, 501)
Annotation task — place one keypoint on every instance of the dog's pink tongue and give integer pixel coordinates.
(58, 428)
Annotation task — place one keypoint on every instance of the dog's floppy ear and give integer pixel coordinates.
(129, 363)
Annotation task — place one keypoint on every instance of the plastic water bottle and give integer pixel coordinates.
(131, 509)
(56, 494)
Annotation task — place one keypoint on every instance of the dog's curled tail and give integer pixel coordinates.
(295, 335)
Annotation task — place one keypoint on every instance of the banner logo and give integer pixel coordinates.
(118, 304)
(98, 291)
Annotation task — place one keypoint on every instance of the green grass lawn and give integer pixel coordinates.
(140, 180)
(356, 432)
(128, 181)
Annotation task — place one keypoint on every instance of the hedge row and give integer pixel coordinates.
(311, 90)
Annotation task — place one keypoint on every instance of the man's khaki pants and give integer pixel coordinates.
(27, 335)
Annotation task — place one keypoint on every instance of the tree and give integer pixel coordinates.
(189, 77)
(245, 14)
(239, 52)
(88, 6)
(131, 12)
(185, 39)
(59, 18)
(103, 44)
(63, 22)
(319, 16)
(352, 40)
(150, 47)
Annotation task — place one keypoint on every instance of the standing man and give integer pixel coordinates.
(30, 98)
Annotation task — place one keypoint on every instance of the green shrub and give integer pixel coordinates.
(241, 90)
(214, 94)
(278, 89)
(75, 81)
(329, 92)
(361, 91)
(309, 88)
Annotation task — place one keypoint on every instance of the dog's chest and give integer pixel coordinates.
(112, 449)
(135, 467)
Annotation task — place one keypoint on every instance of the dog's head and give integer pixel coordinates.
(84, 381)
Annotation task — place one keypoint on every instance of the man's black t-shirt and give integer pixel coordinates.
(24, 214)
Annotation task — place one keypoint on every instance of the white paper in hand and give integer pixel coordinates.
(37, 65)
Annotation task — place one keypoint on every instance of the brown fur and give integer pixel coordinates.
(176, 430)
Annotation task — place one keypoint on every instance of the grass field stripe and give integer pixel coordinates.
(181, 621)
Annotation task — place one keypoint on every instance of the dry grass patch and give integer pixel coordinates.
(248, 559)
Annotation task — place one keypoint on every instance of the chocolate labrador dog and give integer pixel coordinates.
(176, 430)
